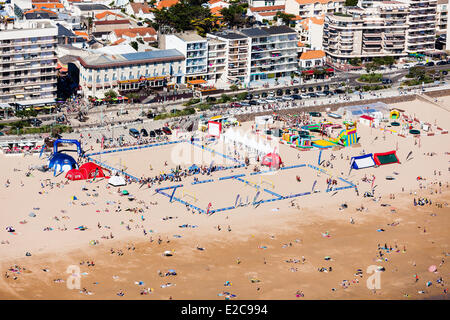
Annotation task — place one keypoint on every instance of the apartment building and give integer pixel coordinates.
(236, 51)
(421, 34)
(266, 3)
(313, 8)
(217, 60)
(421, 21)
(366, 33)
(195, 49)
(129, 72)
(28, 63)
(273, 52)
(441, 16)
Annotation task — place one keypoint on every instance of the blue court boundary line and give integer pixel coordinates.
(103, 164)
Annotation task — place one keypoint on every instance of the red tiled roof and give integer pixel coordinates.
(140, 6)
(49, 5)
(312, 54)
(267, 8)
(112, 22)
(166, 4)
(140, 31)
(103, 14)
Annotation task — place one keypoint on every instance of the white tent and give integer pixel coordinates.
(117, 181)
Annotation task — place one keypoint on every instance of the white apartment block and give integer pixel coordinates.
(236, 51)
(421, 22)
(441, 16)
(366, 33)
(28, 64)
(217, 61)
(265, 3)
(258, 54)
(195, 49)
(313, 8)
(128, 72)
(273, 53)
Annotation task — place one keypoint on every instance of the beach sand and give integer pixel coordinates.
(272, 233)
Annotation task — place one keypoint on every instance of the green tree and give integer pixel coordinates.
(205, 25)
(225, 98)
(234, 16)
(180, 16)
(234, 87)
(135, 45)
(110, 94)
(355, 61)
(285, 18)
(351, 3)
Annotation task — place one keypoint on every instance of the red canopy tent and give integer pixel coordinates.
(75, 174)
(272, 160)
(89, 169)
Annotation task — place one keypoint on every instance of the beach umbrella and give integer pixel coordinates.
(32, 215)
(125, 192)
(74, 198)
(432, 268)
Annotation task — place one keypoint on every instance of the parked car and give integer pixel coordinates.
(159, 132)
(279, 92)
(235, 104)
(296, 97)
(261, 101)
(311, 89)
(287, 91)
(35, 122)
(288, 98)
(295, 90)
(441, 63)
(249, 96)
(304, 96)
(253, 102)
(134, 133)
(144, 133)
(339, 91)
(244, 104)
(256, 96)
(264, 94)
(271, 94)
(151, 115)
(312, 95)
(271, 100)
(166, 130)
(328, 93)
(429, 64)
(386, 81)
(321, 94)
(318, 88)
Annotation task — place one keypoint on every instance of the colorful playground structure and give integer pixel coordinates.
(305, 140)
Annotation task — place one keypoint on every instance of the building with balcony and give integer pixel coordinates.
(195, 49)
(366, 33)
(421, 20)
(421, 33)
(441, 16)
(28, 63)
(273, 53)
(236, 51)
(258, 54)
(129, 72)
(313, 8)
(217, 61)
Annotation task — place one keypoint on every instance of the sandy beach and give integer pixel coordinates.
(318, 246)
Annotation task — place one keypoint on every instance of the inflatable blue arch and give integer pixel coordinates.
(61, 162)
